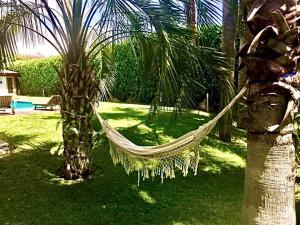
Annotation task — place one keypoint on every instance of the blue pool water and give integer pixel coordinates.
(21, 105)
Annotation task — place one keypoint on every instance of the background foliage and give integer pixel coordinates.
(38, 76)
(128, 83)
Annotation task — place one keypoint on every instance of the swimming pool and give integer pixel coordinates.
(22, 105)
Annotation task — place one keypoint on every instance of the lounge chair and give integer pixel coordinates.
(53, 101)
(5, 103)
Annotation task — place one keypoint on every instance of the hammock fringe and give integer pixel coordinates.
(161, 167)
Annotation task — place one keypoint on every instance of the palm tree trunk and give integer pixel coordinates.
(78, 91)
(241, 79)
(270, 171)
(241, 109)
(191, 15)
(269, 191)
(77, 138)
(228, 47)
(241, 117)
(229, 29)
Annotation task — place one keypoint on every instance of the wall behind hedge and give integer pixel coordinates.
(38, 76)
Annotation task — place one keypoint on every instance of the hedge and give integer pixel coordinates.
(129, 74)
(128, 84)
(38, 76)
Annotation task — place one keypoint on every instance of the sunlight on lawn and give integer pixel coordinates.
(29, 131)
(38, 196)
(146, 197)
(228, 158)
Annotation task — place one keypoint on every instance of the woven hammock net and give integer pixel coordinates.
(161, 160)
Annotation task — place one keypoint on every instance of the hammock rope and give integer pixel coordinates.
(161, 160)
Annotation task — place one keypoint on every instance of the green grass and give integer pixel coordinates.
(31, 193)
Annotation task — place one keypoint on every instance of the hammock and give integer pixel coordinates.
(162, 160)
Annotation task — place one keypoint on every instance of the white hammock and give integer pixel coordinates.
(162, 160)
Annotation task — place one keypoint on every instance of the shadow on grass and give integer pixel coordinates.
(237, 149)
(56, 116)
(148, 131)
(31, 193)
(15, 140)
(111, 197)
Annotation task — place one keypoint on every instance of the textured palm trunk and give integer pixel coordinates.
(228, 47)
(270, 170)
(191, 15)
(241, 120)
(270, 59)
(77, 136)
(245, 37)
(78, 91)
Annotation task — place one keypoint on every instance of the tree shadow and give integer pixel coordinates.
(52, 117)
(146, 131)
(157, 131)
(236, 148)
(119, 113)
(15, 140)
(33, 194)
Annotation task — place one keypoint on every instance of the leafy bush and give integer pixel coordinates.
(38, 76)
(128, 85)
(127, 74)
(210, 36)
(130, 74)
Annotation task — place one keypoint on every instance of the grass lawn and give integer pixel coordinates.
(31, 193)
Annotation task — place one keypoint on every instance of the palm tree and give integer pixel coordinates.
(229, 36)
(240, 76)
(191, 14)
(230, 14)
(211, 18)
(189, 61)
(272, 70)
(9, 33)
(79, 31)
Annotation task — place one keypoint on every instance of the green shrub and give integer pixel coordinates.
(127, 74)
(210, 36)
(128, 84)
(38, 76)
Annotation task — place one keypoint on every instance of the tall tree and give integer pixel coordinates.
(229, 37)
(191, 15)
(194, 8)
(272, 70)
(240, 78)
(9, 32)
(189, 63)
(79, 31)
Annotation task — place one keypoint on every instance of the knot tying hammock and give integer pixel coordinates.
(161, 160)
